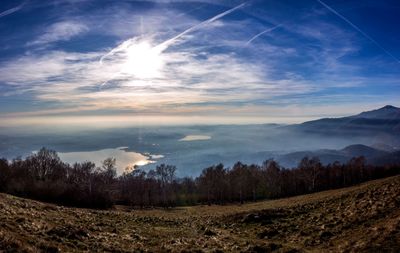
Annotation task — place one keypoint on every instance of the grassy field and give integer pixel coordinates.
(364, 218)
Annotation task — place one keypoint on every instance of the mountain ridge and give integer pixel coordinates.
(386, 112)
(385, 120)
(373, 155)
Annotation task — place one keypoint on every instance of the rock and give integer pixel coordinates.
(53, 249)
(266, 222)
(269, 247)
(209, 232)
(325, 235)
(250, 218)
(268, 233)
(20, 220)
(50, 249)
(360, 195)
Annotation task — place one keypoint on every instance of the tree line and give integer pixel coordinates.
(45, 177)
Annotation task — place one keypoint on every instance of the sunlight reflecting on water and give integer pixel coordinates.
(126, 160)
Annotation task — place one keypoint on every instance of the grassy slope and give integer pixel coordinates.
(364, 218)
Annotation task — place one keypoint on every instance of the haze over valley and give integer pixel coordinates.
(193, 148)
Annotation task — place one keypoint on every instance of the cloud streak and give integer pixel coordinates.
(12, 10)
(261, 33)
(163, 46)
(60, 31)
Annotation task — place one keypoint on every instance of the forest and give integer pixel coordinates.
(44, 176)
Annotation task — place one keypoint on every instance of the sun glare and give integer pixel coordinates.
(143, 61)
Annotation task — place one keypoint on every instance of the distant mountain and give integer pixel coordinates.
(381, 123)
(362, 150)
(327, 156)
(385, 147)
(386, 112)
(387, 159)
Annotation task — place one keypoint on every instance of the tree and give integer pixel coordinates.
(239, 175)
(166, 175)
(109, 169)
(311, 169)
(81, 177)
(134, 187)
(212, 183)
(356, 167)
(272, 177)
(188, 191)
(45, 165)
(255, 181)
(5, 174)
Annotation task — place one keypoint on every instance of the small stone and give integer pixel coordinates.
(325, 235)
(209, 232)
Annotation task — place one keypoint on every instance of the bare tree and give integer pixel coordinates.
(5, 174)
(272, 177)
(166, 175)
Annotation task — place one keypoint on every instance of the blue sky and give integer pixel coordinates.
(189, 62)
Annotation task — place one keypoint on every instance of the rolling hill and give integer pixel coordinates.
(363, 218)
(373, 156)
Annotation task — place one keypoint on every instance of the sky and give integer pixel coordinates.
(99, 62)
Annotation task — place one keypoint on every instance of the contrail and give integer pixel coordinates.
(12, 10)
(163, 46)
(123, 46)
(358, 29)
(261, 33)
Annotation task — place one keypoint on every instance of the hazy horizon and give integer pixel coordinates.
(121, 121)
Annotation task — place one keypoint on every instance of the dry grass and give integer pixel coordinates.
(364, 218)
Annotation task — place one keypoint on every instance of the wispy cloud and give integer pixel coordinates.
(186, 80)
(60, 31)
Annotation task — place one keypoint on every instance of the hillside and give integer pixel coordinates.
(364, 218)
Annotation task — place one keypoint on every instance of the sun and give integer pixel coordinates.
(143, 61)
